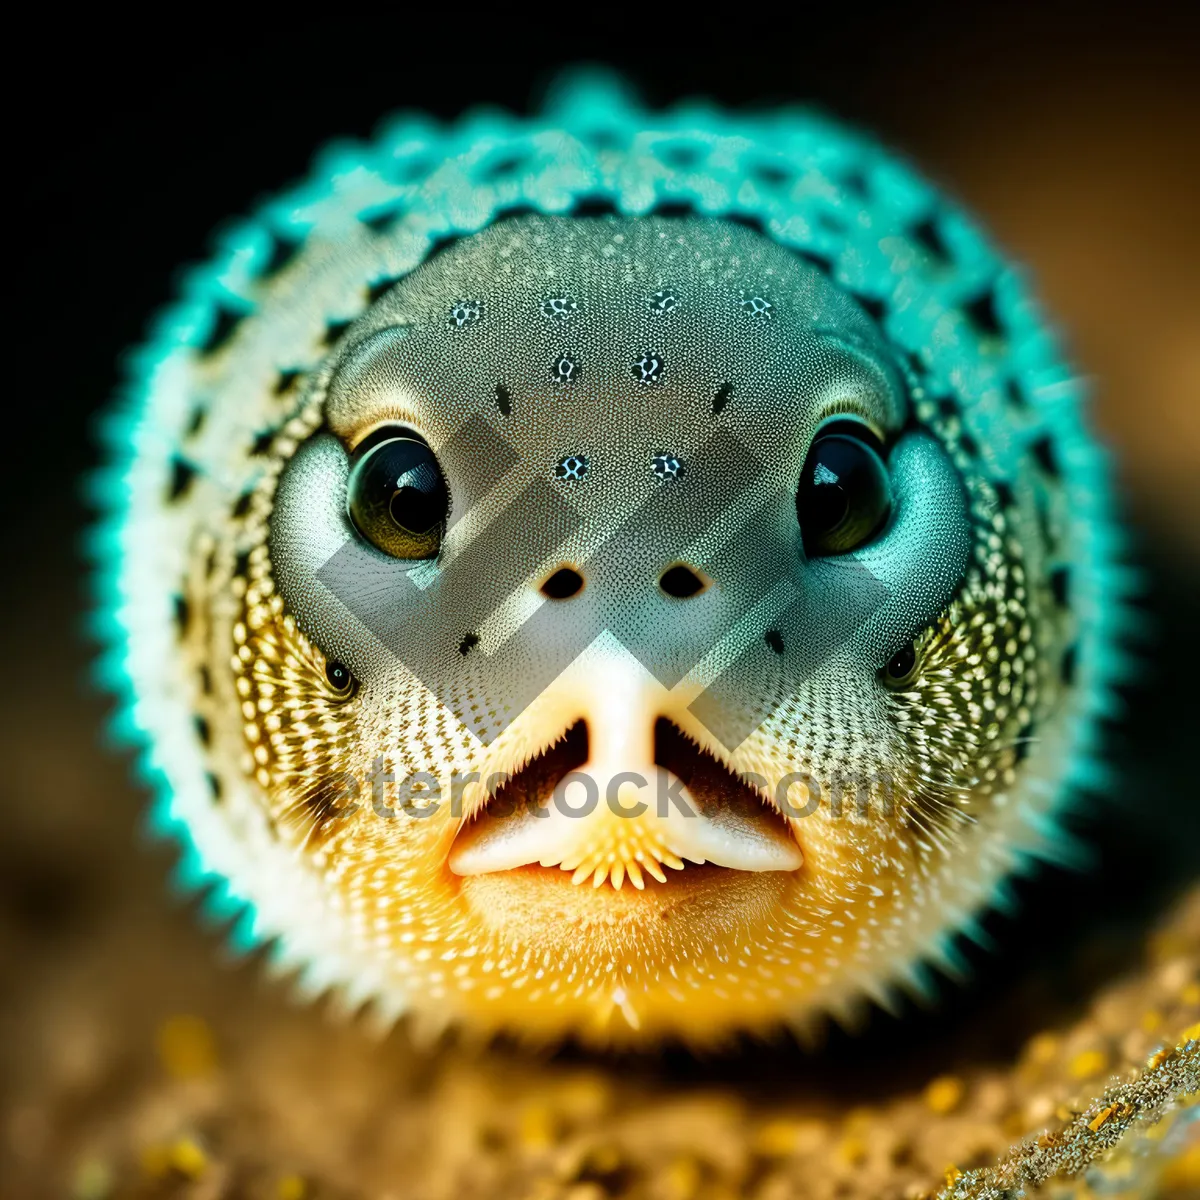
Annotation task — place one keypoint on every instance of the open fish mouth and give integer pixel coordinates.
(576, 810)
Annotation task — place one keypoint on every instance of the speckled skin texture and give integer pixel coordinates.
(993, 563)
(862, 908)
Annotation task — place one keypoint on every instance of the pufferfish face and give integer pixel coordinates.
(623, 656)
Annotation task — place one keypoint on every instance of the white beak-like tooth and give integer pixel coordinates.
(556, 834)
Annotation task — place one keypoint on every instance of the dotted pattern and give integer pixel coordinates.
(649, 369)
(759, 307)
(566, 368)
(235, 385)
(559, 308)
(464, 313)
(662, 302)
(666, 466)
(571, 467)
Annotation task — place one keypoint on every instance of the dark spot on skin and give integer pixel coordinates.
(1060, 586)
(771, 174)
(182, 474)
(566, 368)
(262, 442)
(242, 507)
(333, 331)
(197, 421)
(223, 328)
(183, 615)
(503, 399)
(814, 258)
(205, 676)
(855, 183)
(283, 251)
(595, 206)
(948, 407)
(1004, 494)
(502, 166)
(928, 236)
(203, 730)
(284, 381)
(774, 639)
(468, 643)
(214, 786)
(1015, 396)
(571, 468)
(1042, 513)
(746, 220)
(722, 398)
(874, 307)
(241, 565)
(440, 245)
(379, 221)
(681, 155)
(510, 212)
(831, 222)
(410, 169)
(1024, 743)
(648, 369)
(969, 445)
(981, 312)
(380, 288)
(1070, 664)
(1043, 450)
(673, 210)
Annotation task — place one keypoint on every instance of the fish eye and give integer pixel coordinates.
(901, 667)
(397, 496)
(339, 676)
(844, 495)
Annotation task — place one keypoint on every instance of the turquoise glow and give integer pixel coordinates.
(885, 234)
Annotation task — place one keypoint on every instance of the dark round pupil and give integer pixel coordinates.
(902, 661)
(414, 507)
(844, 494)
(836, 476)
(337, 675)
(828, 505)
(397, 497)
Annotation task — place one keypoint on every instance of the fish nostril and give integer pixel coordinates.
(563, 584)
(681, 582)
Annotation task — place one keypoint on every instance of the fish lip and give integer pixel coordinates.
(714, 789)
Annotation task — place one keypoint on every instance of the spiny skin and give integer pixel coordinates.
(858, 294)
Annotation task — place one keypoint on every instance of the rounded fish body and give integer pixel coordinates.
(617, 574)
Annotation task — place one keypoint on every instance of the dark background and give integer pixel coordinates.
(1071, 131)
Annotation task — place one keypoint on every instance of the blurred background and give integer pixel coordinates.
(126, 1031)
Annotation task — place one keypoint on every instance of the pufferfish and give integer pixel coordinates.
(618, 575)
